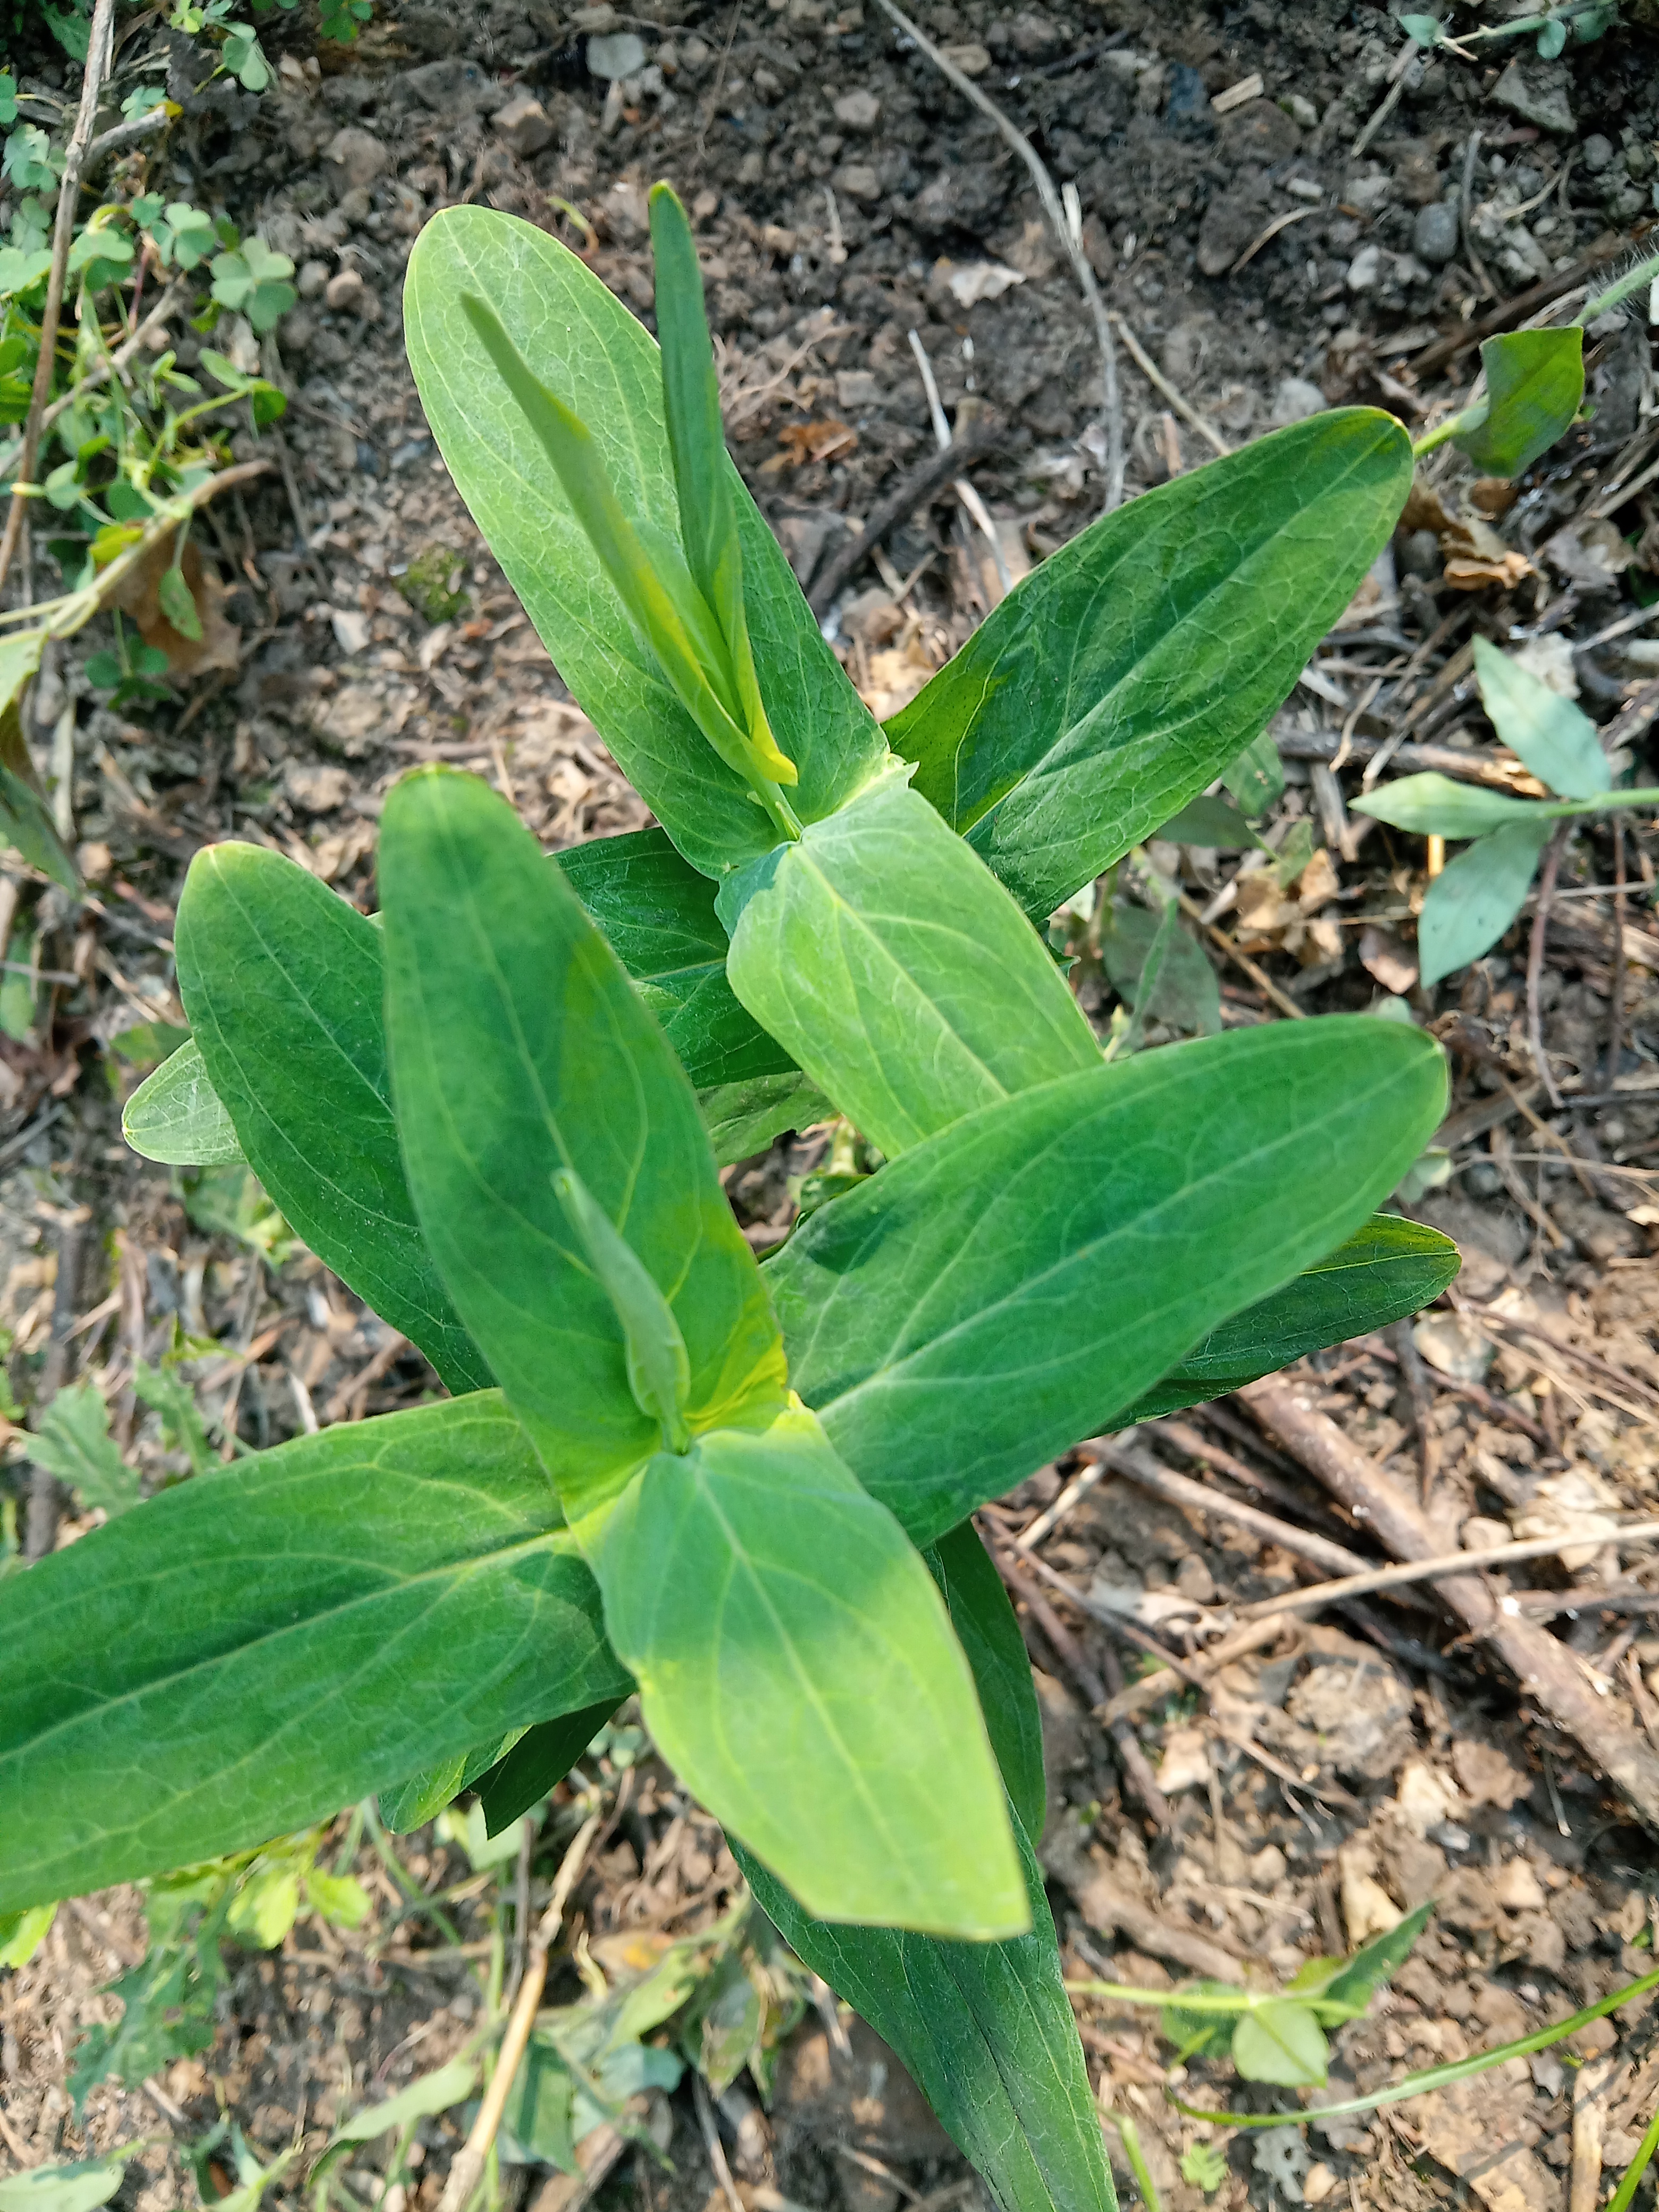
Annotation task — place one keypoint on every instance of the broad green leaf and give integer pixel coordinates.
(1257, 778)
(897, 972)
(1350, 1990)
(422, 1796)
(1185, 994)
(657, 915)
(518, 1049)
(1387, 1269)
(586, 347)
(1121, 677)
(797, 1668)
(1475, 897)
(1209, 822)
(282, 983)
(536, 1762)
(1555, 738)
(264, 1908)
(1433, 806)
(1534, 385)
(983, 1617)
(1281, 2041)
(73, 1442)
(987, 2033)
(63, 2188)
(743, 1118)
(280, 1638)
(176, 1116)
(1020, 1280)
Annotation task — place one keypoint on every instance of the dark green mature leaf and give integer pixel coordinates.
(1128, 671)
(1435, 807)
(540, 1758)
(1389, 1268)
(1534, 385)
(282, 983)
(987, 2032)
(797, 1669)
(983, 1617)
(1555, 738)
(518, 1049)
(657, 915)
(897, 972)
(283, 1637)
(1473, 900)
(583, 344)
(1018, 1281)
(175, 1115)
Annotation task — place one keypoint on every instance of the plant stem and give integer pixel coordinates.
(1444, 432)
(1632, 281)
(1130, 2136)
(1636, 2168)
(394, 1866)
(1230, 2001)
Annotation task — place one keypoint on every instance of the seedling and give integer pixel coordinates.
(1473, 902)
(498, 1112)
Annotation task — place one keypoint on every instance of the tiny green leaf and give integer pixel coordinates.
(178, 605)
(1209, 822)
(1534, 386)
(74, 1444)
(1281, 2041)
(1359, 1978)
(1257, 778)
(1475, 897)
(659, 1370)
(175, 1115)
(1555, 738)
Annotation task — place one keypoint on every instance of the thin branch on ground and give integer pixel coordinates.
(1546, 875)
(1155, 376)
(1070, 243)
(467, 2171)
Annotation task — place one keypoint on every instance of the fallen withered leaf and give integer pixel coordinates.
(139, 596)
(826, 440)
(1476, 556)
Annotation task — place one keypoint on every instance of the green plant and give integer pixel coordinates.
(1274, 2035)
(1584, 19)
(498, 1113)
(1473, 902)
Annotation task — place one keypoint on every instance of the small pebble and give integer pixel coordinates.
(1434, 234)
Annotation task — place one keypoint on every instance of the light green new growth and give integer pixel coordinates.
(656, 586)
(659, 1370)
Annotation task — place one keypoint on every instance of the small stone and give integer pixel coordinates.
(1267, 1868)
(1295, 399)
(1517, 1888)
(344, 292)
(859, 181)
(856, 387)
(971, 60)
(1301, 111)
(1230, 222)
(524, 125)
(453, 88)
(1537, 95)
(618, 54)
(1596, 153)
(858, 110)
(313, 276)
(356, 154)
(316, 789)
(350, 628)
(1365, 269)
(1434, 234)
